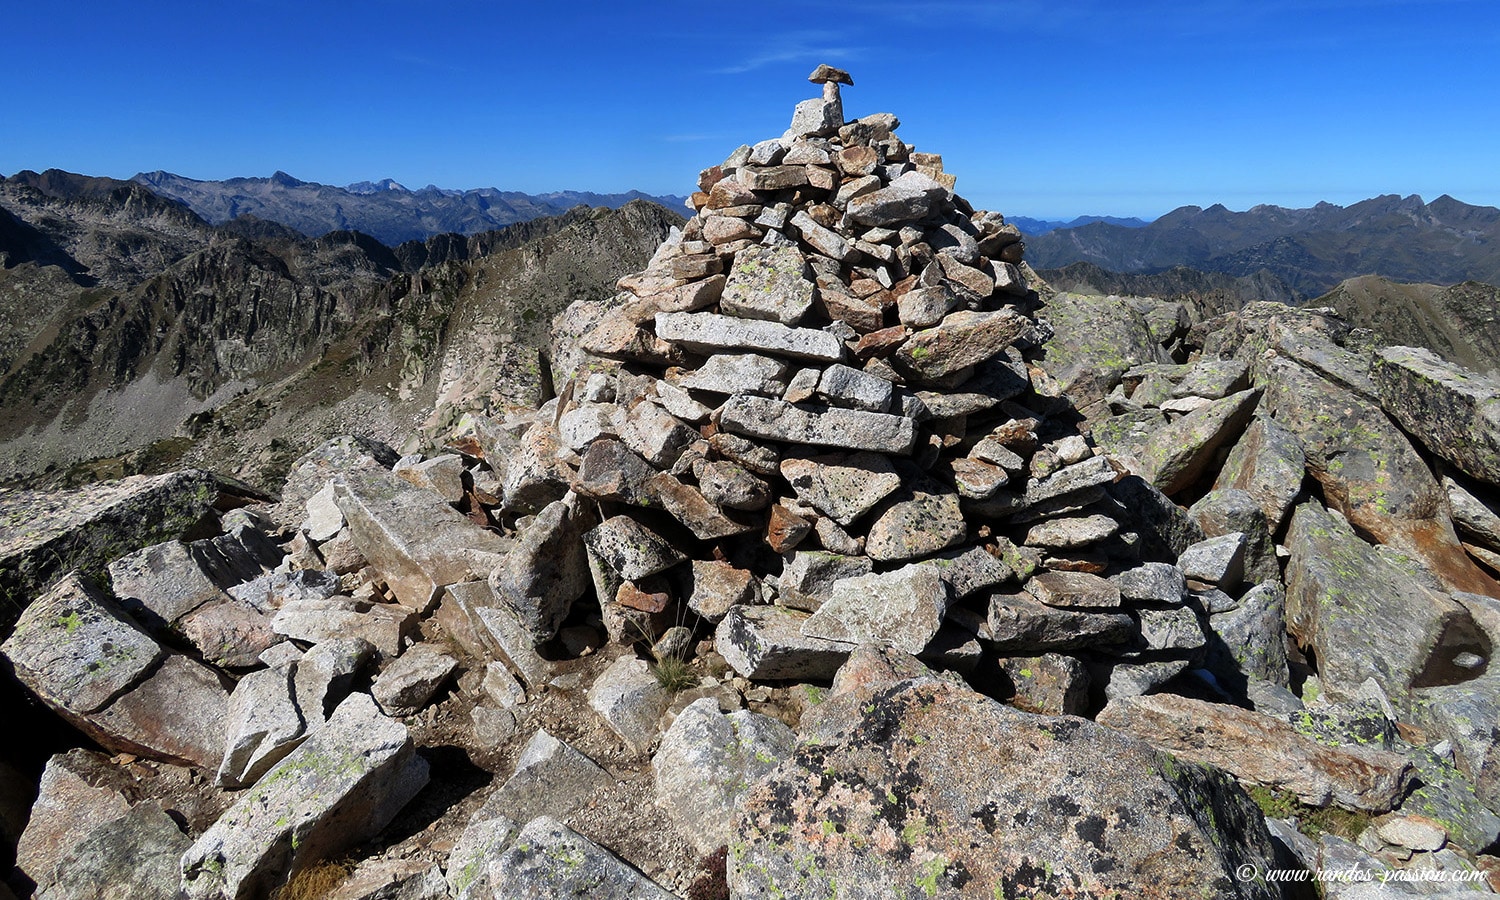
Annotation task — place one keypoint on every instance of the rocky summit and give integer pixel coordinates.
(849, 560)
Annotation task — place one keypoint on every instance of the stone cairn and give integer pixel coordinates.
(821, 429)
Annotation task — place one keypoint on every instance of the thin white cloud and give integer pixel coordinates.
(814, 47)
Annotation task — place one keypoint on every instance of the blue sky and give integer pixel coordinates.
(1044, 108)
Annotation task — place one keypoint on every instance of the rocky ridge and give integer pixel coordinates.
(844, 529)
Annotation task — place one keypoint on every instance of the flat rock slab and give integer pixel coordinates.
(933, 786)
(903, 608)
(76, 651)
(1176, 456)
(707, 763)
(841, 486)
(44, 534)
(341, 787)
(910, 197)
(263, 724)
(551, 778)
(409, 682)
(960, 340)
(133, 856)
(550, 861)
(1365, 616)
(1074, 590)
(417, 543)
(72, 800)
(1263, 750)
(1454, 412)
(767, 643)
(710, 333)
(851, 429)
(1019, 624)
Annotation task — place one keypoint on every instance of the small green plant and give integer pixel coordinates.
(1311, 820)
(674, 674)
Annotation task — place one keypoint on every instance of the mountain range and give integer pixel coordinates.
(1030, 226)
(134, 334)
(1311, 250)
(385, 210)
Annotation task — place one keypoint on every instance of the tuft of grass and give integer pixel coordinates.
(315, 881)
(674, 674)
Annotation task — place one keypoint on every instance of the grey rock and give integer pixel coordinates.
(1051, 684)
(162, 583)
(1118, 678)
(1095, 340)
(1366, 617)
(1169, 629)
(1016, 789)
(1475, 520)
(44, 535)
(417, 543)
(1071, 532)
(704, 518)
(841, 486)
(923, 517)
(71, 801)
(739, 373)
(924, 307)
(443, 475)
(854, 388)
(1178, 455)
(485, 837)
(767, 643)
(908, 198)
(1018, 624)
(612, 471)
(498, 632)
(1152, 582)
(1214, 379)
(1217, 562)
(652, 432)
(1074, 590)
(810, 576)
(1263, 750)
(1454, 412)
(708, 761)
(551, 778)
(76, 650)
(1443, 794)
(550, 861)
(1224, 511)
(325, 675)
(731, 486)
(1268, 463)
(971, 571)
(342, 786)
(133, 856)
(263, 723)
(719, 586)
(547, 568)
(381, 624)
(631, 549)
(710, 333)
(963, 338)
(629, 699)
(411, 680)
(324, 518)
(1165, 529)
(902, 608)
(826, 241)
(392, 879)
(759, 417)
(534, 473)
(1071, 480)
(1464, 714)
(1252, 640)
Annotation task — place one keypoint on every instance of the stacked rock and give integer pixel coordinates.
(822, 430)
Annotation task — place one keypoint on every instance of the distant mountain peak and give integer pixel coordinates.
(375, 187)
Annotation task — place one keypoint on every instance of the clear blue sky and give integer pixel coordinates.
(1044, 108)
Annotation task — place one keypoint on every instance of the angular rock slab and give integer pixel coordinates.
(841, 486)
(417, 543)
(548, 568)
(630, 701)
(550, 861)
(408, 683)
(932, 789)
(1454, 412)
(922, 518)
(960, 340)
(1176, 456)
(1019, 624)
(768, 283)
(766, 643)
(850, 429)
(903, 608)
(707, 763)
(710, 333)
(1266, 751)
(76, 651)
(1367, 618)
(1267, 463)
(551, 778)
(70, 803)
(133, 856)
(342, 786)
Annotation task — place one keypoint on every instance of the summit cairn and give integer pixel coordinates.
(821, 385)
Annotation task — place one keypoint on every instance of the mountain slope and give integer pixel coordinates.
(385, 210)
(1461, 323)
(1313, 249)
(267, 342)
(1207, 293)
